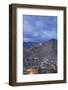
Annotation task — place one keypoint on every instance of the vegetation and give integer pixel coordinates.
(41, 58)
(40, 70)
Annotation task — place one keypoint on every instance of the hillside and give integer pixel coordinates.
(41, 55)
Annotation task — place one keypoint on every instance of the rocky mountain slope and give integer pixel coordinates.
(41, 55)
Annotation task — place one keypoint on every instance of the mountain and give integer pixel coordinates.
(28, 45)
(41, 55)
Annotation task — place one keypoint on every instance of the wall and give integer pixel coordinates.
(4, 44)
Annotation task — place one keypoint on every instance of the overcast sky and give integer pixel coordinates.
(39, 28)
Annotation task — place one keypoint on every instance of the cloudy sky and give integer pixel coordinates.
(39, 28)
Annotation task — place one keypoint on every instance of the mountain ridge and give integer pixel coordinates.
(47, 50)
(28, 45)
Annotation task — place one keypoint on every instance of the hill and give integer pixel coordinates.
(41, 55)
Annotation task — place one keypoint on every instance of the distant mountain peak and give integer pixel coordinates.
(28, 45)
(53, 40)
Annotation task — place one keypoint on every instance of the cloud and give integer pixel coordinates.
(39, 23)
(39, 28)
(27, 39)
(28, 28)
